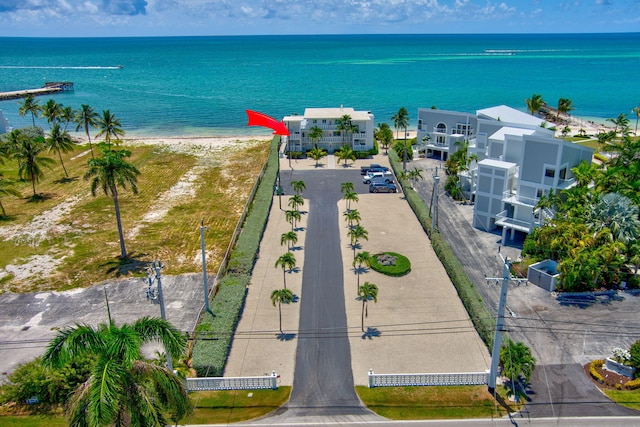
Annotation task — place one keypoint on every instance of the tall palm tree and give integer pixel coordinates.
(534, 103)
(350, 196)
(517, 364)
(346, 187)
(110, 171)
(60, 141)
(401, 121)
(29, 105)
(110, 127)
(621, 122)
(298, 186)
(86, 118)
(6, 189)
(564, 106)
(290, 238)
(295, 201)
(355, 234)
(345, 153)
(281, 296)
(362, 258)
(343, 124)
(124, 388)
(51, 111)
(286, 262)
(292, 216)
(384, 135)
(636, 112)
(315, 133)
(30, 163)
(352, 216)
(367, 292)
(67, 115)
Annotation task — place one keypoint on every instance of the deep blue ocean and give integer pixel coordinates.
(202, 85)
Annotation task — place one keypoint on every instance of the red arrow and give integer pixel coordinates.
(259, 119)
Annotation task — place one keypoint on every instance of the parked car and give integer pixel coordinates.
(373, 167)
(377, 176)
(382, 187)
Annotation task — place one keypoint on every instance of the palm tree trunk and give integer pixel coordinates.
(280, 313)
(62, 163)
(89, 138)
(33, 184)
(123, 250)
(362, 322)
(284, 277)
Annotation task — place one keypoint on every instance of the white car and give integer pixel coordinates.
(377, 176)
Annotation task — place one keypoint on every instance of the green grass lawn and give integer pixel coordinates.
(628, 398)
(33, 421)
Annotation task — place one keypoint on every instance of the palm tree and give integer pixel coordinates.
(110, 127)
(30, 163)
(60, 141)
(281, 296)
(355, 234)
(295, 201)
(384, 135)
(346, 186)
(51, 111)
(343, 124)
(124, 388)
(298, 186)
(534, 103)
(292, 216)
(350, 196)
(110, 171)
(6, 189)
(636, 112)
(352, 216)
(362, 258)
(621, 122)
(367, 292)
(616, 213)
(290, 238)
(346, 153)
(315, 133)
(30, 105)
(286, 261)
(517, 364)
(564, 106)
(316, 154)
(86, 118)
(401, 120)
(415, 174)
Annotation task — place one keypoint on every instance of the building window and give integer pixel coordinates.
(463, 129)
(419, 124)
(442, 128)
(324, 121)
(539, 194)
(550, 173)
(314, 121)
(563, 173)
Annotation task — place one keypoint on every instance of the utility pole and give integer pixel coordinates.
(434, 213)
(497, 339)
(156, 297)
(204, 268)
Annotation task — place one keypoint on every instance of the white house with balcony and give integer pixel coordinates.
(519, 160)
(360, 138)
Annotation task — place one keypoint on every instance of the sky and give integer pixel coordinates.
(111, 18)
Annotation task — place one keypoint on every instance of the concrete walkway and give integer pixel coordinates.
(418, 323)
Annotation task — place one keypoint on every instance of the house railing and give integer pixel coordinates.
(401, 380)
(503, 219)
(233, 383)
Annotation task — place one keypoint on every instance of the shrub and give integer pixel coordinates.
(399, 266)
(633, 384)
(634, 352)
(593, 370)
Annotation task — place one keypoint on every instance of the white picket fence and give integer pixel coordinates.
(401, 380)
(233, 383)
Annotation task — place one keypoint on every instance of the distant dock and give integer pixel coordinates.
(48, 88)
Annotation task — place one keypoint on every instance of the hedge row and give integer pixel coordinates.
(469, 295)
(214, 333)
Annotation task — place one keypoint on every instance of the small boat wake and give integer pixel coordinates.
(63, 67)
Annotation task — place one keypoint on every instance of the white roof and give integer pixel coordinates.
(496, 164)
(510, 115)
(331, 113)
(508, 130)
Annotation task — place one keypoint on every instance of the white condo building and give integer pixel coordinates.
(518, 161)
(327, 119)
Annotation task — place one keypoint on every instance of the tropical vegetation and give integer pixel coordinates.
(281, 296)
(367, 292)
(517, 365)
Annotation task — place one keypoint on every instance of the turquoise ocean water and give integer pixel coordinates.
(202, 85)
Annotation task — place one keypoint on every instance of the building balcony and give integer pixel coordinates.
(513, 199)
(504, 221)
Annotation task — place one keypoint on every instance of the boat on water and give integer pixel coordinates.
(507, 52)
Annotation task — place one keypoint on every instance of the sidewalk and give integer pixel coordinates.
(421, 322)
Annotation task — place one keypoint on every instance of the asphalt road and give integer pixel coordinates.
(562, 335)
(323, 380)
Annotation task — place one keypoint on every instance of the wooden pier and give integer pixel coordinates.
(48, 88)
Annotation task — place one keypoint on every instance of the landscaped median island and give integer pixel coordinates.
(390, 263)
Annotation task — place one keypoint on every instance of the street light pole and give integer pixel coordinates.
(154, 275)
